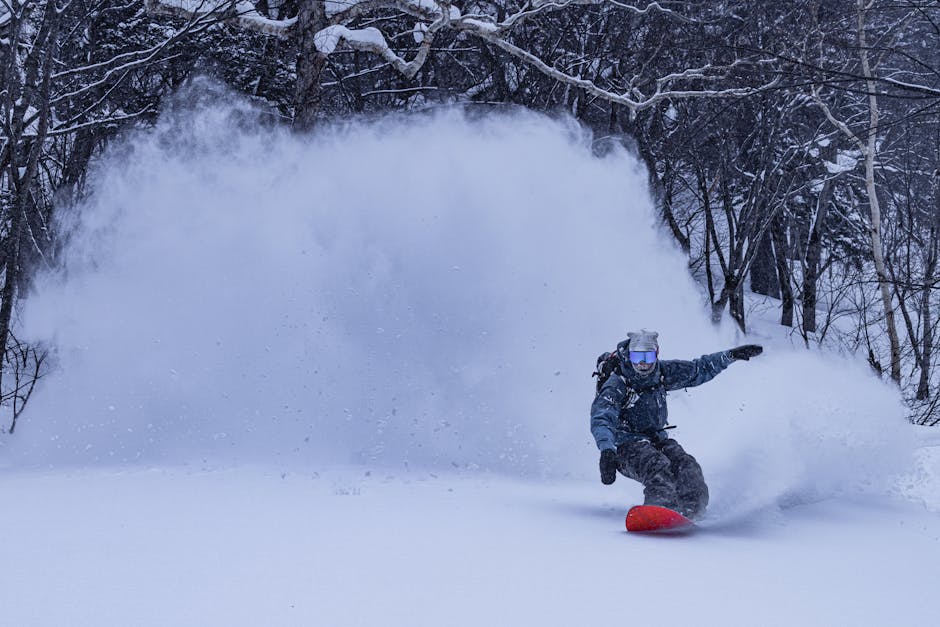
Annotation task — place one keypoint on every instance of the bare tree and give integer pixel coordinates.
(54, 93)
(867, 143)
(322, 29)
(24, 363)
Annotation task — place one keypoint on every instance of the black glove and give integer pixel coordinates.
(745, 352)
(608, 466)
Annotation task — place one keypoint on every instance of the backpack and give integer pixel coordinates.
(608, 364)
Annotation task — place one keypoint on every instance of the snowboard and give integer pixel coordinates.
(653, 518)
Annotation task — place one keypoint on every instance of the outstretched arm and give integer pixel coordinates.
(687, 374)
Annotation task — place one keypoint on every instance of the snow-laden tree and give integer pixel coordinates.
(383, 28)
(71, 73)
(865, 139)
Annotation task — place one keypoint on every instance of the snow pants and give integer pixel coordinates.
(670, 476)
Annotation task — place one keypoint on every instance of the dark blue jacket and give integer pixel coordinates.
(631, 407)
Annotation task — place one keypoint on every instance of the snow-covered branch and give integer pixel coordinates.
(124, 63)
(115, 118)
(537, 7)
(442, 14)
(240, 12)
(500, 34)
(637, 101)
(427, 10)
(371, 40)
(839, 124)
(907, 86)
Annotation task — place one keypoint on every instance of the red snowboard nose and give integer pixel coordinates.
(656, 518)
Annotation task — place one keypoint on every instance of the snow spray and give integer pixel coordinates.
(424, 291)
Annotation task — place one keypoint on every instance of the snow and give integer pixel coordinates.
(922, 484)
(247, 547)
(432, 7)
(247, 13)
(428, 7)
(327, 39)
(845, 162)
(338, 6)
(482, 26)
(672, 114)
(244, 9)
(186, 5)
(419, 32)
(344, 380)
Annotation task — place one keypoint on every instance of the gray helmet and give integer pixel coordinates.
(643, 350)
(643, 340)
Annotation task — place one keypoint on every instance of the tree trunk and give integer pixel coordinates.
(764, 276)
(709, 229)
(732, 294)
(813, 257)
(11, 278)
(308, 94)
(923, 384)
(779, 238)
(736, 305)
(733, 269)
(884, 284)
(875, 207)
(668, 215)
(24, 158)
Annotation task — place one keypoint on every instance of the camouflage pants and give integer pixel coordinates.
(670, 476)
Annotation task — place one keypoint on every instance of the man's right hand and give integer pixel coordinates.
(608, 466)
(743, 353)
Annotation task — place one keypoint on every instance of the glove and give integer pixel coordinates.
(608, 466)
(745, 352)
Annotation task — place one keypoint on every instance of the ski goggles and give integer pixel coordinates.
(640, 357)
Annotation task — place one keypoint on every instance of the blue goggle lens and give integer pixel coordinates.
(639, 357)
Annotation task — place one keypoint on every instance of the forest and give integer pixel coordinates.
(792, 148)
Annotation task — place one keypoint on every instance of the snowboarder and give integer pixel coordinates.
(628, 420)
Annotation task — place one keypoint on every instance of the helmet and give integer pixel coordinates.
(644, 350)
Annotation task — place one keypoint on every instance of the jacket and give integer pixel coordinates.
(632, 407)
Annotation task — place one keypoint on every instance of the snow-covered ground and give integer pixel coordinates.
(345, 381)
(249, 547)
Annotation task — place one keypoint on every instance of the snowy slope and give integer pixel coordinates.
(247, 547)
(345, 380)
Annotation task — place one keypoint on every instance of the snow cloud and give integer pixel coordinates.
(428, 291)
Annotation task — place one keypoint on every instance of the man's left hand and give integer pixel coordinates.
(745, 352)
